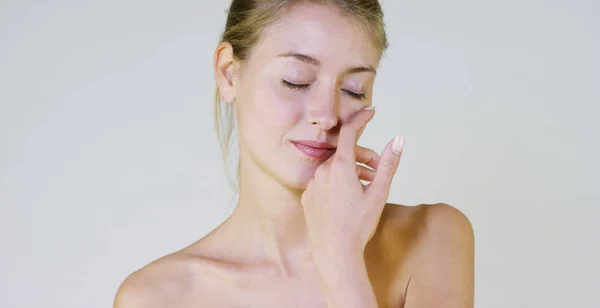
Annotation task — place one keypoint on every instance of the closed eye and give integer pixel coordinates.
(358, 96)
(294, 86)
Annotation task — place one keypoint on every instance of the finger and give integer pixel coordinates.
(365, 173)
(388, 164)
(349, 134)
(367, 156)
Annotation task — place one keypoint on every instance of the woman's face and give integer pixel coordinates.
(310, 73)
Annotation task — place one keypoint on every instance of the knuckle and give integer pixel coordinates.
(362, 152)
(372, 156)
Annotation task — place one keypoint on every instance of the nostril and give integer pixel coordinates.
(324, 122)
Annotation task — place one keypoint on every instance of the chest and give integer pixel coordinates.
(299, 292)
(293, 293)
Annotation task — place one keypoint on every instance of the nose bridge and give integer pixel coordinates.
(322, 108)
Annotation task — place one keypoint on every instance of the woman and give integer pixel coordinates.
(307, 231)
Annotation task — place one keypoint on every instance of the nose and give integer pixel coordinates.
(323, 112)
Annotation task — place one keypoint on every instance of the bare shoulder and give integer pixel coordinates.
(167, 282)
(437, 241)
(426, 223)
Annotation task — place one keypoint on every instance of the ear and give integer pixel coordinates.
(225, 65)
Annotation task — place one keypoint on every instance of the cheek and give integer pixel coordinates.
(278, 109)
(268, 111)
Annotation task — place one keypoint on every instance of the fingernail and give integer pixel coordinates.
(398, 144)
(370, 108)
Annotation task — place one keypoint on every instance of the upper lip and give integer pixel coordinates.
(315, 144)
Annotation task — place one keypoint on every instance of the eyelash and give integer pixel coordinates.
(298, 87)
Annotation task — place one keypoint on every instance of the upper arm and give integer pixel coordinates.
(442, 267)
(133, 293)
(126, 297)
(160, 284)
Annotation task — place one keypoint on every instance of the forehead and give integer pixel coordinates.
(323, 32)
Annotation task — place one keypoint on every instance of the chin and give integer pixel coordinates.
(299, 170)
(299, 176)
(289, 168)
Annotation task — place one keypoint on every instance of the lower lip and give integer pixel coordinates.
(313, 152)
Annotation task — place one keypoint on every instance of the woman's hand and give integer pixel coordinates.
(341, 212)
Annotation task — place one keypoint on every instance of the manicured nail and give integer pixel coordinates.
(370, 108)
(398, 144)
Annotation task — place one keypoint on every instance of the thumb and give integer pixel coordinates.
(388, 164)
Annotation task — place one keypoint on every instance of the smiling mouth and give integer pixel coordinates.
(316, 150)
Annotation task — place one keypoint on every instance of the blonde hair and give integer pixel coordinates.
(245, 21)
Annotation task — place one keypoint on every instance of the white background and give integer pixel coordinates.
(108, 158)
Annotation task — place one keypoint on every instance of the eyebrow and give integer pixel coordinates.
(314, 61)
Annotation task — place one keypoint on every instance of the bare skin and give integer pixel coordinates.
(306, 232)
(414, 260)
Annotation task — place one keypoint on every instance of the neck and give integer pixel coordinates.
(270, 218)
